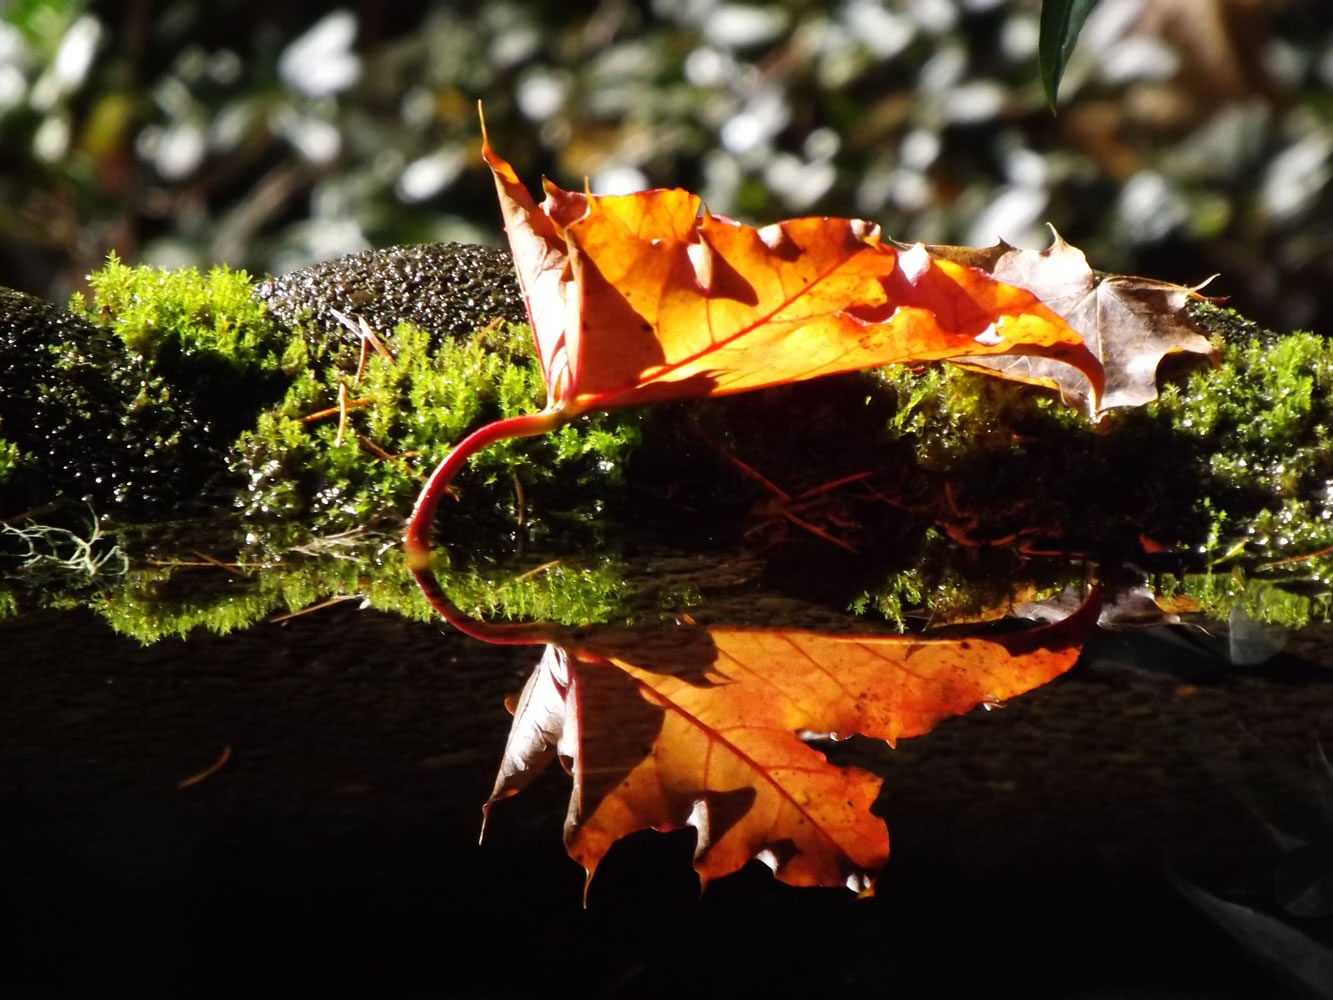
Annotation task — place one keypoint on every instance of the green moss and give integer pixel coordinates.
(165, 313)
(1265, 415)
(897, 597)
(414, 407)
(1231, 466)
(952, 415)
(172, 385)
(11, 459)
(127, 401)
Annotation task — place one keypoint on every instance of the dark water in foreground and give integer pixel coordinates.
(336, 850)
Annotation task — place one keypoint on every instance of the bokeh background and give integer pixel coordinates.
(1193, 136)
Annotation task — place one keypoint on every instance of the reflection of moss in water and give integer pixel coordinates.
(938, 579)
(1290, 602)
(155, 602)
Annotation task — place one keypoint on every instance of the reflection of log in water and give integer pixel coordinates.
(338, 845)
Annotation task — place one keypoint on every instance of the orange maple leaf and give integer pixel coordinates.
(647, 297)
(706, 727)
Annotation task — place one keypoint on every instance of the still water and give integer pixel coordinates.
(296, 806)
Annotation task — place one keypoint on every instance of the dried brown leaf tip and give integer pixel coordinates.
(1130, 324)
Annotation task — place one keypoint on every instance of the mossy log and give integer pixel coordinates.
(309, 404)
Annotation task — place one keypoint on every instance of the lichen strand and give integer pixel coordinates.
(447, 289)
(408, 410)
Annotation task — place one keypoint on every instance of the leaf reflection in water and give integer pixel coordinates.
(667, 727)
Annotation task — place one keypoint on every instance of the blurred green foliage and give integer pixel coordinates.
(1193, 136)
(1061, 22)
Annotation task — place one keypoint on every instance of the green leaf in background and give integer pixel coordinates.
(1061, 21)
